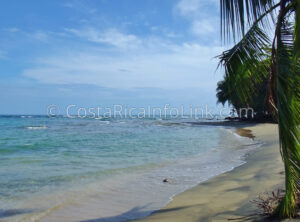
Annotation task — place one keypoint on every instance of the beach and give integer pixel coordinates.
(220, 172)
(147, 111)
(62, 169)
(229, 196)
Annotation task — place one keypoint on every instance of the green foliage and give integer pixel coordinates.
(237, 14)
(226, 93)
(245, 64)
(248, 65)
(288, 83)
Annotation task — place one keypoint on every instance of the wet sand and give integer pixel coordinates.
(228, 197)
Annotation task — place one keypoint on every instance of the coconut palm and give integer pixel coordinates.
(226, 93)
(260, 24)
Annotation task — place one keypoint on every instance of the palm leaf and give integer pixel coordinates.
(245, 63)
(288, 104)
(297, 27)
(234, 12)
(222, 92)
(242, 68)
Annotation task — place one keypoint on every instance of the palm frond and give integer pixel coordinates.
(288, 104)
(234, 12)
(245, 63)
(243, 68)
(222, 92)
(297, 27)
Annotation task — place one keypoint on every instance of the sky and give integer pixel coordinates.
(105, 52)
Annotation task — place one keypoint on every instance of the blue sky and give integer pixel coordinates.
(105, 52)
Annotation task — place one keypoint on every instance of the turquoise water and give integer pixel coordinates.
(41, 157)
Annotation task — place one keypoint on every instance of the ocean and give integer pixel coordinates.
(106, 169)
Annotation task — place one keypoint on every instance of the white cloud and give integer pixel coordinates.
(39, 35)
(188, 7)
(80, 6)
(203, 27)
(202, 15)
(123, 60)
(110, 36)
(166, 32)
(12, 29)
(158, 64)
(2, 54)
(69, 5)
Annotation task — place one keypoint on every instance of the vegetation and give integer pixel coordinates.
(257, 101)
(263, 24)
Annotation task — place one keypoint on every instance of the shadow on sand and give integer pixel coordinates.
(14, 212)
(134, 213)
(138, 213)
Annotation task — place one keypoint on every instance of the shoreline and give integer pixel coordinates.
(113, 199)
(228, 196)
(227, 155)
(141, 211)
(187, 201)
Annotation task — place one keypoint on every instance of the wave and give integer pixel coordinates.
(118, 190)
(36, 127)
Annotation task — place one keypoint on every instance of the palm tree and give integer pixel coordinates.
(226, 93)
(276, 24)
